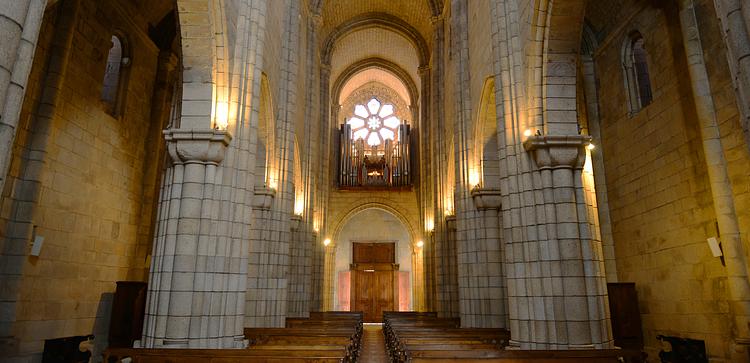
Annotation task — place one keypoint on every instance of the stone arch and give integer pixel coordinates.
(202, 26)
(377, 203)
(487, 156)
(379, 63)
(265, 135)
(377, 20)
(558, 39)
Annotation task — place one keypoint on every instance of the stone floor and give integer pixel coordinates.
(373, 344)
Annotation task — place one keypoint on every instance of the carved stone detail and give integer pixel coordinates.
(486, 199)
(263, 197)
(197, 146)
(558, 151)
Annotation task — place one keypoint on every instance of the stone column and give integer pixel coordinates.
(263, 274)
(26, 189)
(20, 22)
(735, 254)
(734, 16)
(565, 290)
(329, 277)
(297, 263)
(449, 269)
(487, 275)
(187, 298)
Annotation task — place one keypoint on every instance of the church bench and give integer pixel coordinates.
(323, 330)
(139, 355)
(524, 356)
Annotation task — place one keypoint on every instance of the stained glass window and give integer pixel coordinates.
(374, 122)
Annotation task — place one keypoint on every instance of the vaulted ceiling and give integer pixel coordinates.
(414, 12)
(374, 43)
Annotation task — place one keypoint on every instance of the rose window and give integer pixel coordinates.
(374, 123)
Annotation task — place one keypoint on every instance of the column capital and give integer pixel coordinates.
(450, 222)
(558, 151)
(263, 197)
(486, 198)
(204, 146)
(424, 70)
(296, 222)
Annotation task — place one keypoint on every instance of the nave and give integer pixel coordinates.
(403, 337)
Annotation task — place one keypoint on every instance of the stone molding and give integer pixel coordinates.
(450, 223)
(189, 146)
(486, 198)
(558, 151)
(263, 197)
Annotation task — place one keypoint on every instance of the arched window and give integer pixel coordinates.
(374, 123)
(374, 147)
(117, 60)
(637, 79)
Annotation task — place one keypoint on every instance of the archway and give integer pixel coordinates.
(373, 246)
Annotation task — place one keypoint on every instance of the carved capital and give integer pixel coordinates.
(450, 223)
(486, 199)
(263, 197)
(558, 151)
(296, 221)
(207, 146)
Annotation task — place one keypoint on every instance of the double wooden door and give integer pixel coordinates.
(375, 288)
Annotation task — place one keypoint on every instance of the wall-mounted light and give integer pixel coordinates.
(221, 116)
(420, 244)
(429, 224)
(591, 146)
(272, 184)
(474, 179)
(528, 133)
(299, 205)
(326, 242)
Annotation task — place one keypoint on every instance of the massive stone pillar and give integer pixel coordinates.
(560, 295)
(191, 299)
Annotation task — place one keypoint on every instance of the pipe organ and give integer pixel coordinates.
(383, 165)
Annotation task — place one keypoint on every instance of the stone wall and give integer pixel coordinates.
(77, 175)
(657, 182)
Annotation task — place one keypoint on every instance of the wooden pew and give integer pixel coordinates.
(138, 355)
(324, 337)
(422, 337)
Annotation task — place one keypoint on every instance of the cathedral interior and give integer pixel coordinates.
(570, 175)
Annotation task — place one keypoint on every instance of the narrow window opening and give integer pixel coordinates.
(637, 76)
(112, 83)
(640, 66)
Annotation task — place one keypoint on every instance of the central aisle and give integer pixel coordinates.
(373, 344)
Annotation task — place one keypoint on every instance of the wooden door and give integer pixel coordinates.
(373, 280)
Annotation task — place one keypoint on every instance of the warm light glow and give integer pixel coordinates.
(591, 146)
(474, 178)
(429, 225)
(299, 205)
(448, 206)
(326, 242)
(587, 166)
(420, 244)
(272, 184)
(221, 119)
(528, 133)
